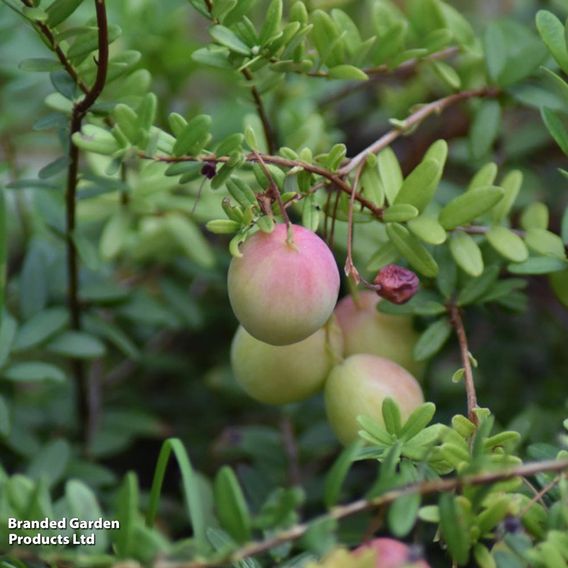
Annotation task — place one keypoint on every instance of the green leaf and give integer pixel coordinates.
(78, 345)
(40, 327)
(545, 242)
(507, 244)
(226, 37)
(417, 421)
(484, 177)
(33, 290)
(34, 371)
(272, 21)
(60, 10)
(337, 474)
(223, 226)
(402, 514)
(242, 192)
(454, 531)
(428, 229)
(535, 216)
(447, 74)
(432, 339)
(468, 206)
(466, 253)
(327, 39)
(391, 174)
(39, 65)
(477, 287)
(114, 235)
(511, 186)
(190, 239)
(50, 462)
(556, 127)
(82, 504)
(127, 515)
(559, 283)
(8, 327)
(192, 495)
(399, 213)
(391, 416)
(194, 136)
(495, 48)
(387, 254)
(311, 213)
(551, 31)
(34, 14)
(412, 249)
(538, 265)
(232, 508)
(347, 72)
(485, 128)
(419, 187)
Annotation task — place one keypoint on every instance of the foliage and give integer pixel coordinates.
(133, 174)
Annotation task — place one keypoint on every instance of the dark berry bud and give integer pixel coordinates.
(512, 524)
(209, 170)
(396, 283)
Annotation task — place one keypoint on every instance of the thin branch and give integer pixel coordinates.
(539, 496)
(273, 188)
(263, 115)
(350, 270)
(291, 449)
(79, 112)
(378, 73)
(457, 322)
(343, 511)
(333, 177)
(52, 43)
(415, 119)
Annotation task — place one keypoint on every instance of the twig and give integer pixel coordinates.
(350, 270)
(273, 188)
(291, 448)
(402, 68)
(539, 496)
(333, 177)
(79, 111)
(379, 73)
(343, 511)
(413, 120)
(457, 322)
(56, 48)
(263, 115)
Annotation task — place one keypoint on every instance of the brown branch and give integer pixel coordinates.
(350, 269)
(378, 73)
(413, 120)
(263, 115)
(278, 161)
(52, 43)
(457, 322)
(79, 111)
(363, 505)
(273, 188)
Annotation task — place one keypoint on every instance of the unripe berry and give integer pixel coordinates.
(366, 330)
(359, 385)
(391, 553)
(286, 373)
(282, 292)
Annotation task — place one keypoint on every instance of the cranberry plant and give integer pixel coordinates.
(164, 162)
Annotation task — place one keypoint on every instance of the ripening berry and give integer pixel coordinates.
(287, 373)
(281, 291)
(359, 385)
(365, 330)
(392, 553)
